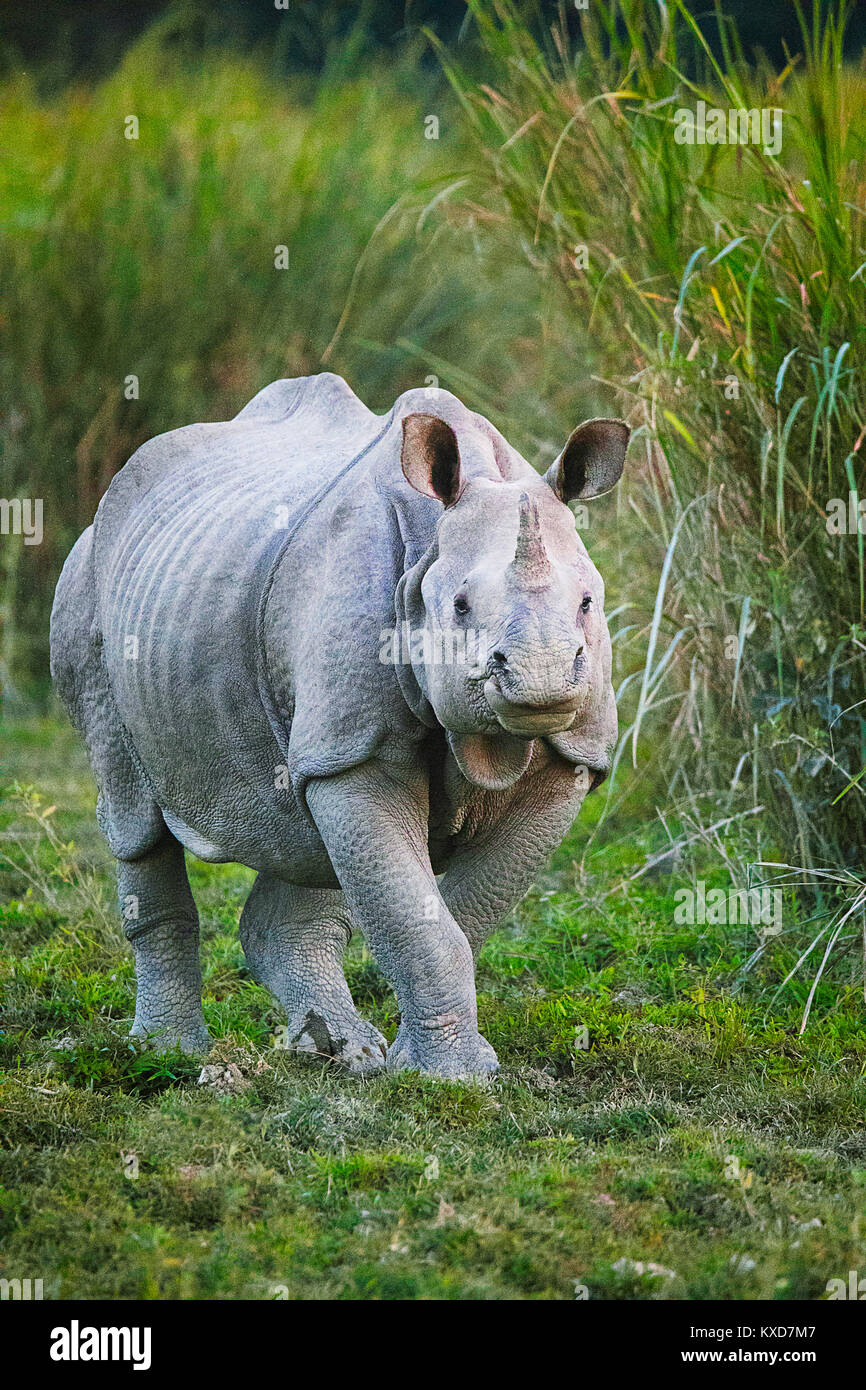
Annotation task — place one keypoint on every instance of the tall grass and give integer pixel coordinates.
(724, 290)
(154, 258)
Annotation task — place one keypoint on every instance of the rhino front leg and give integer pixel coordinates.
(374, 824)
(489, 875)
(294, 939)
(161, 921)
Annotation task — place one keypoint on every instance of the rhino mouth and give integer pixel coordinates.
(531, 720)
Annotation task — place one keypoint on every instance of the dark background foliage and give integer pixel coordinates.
(68, 39)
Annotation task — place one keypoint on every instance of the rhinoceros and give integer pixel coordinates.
(365, 656)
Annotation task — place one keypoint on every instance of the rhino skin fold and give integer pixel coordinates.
(221, 638)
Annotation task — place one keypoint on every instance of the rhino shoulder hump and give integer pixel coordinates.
(324, 392)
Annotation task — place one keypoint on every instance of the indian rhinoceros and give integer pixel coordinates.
(365, 656)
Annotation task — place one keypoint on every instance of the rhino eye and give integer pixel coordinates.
(585, 606)
(461, 604)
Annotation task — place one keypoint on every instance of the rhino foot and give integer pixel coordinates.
(440, 1052)
(194, 1040)
(351, 1042)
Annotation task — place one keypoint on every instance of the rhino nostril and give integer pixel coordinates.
(579, 652)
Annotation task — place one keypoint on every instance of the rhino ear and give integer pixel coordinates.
(430, 458)
(591, 462)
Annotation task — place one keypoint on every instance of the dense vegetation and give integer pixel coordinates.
(723, 286)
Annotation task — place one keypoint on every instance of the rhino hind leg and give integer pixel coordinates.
(294, 939)
(159, 915)
(126, 810)
(161, 921)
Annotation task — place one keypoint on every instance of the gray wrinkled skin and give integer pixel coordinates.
(219, 640)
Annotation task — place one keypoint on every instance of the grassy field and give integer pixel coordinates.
(695, 1147)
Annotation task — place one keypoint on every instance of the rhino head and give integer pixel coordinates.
(509, 587)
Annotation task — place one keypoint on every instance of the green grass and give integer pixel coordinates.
(697, 1131)
(723, 290)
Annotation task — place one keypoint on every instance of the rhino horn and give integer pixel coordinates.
(530, 566)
